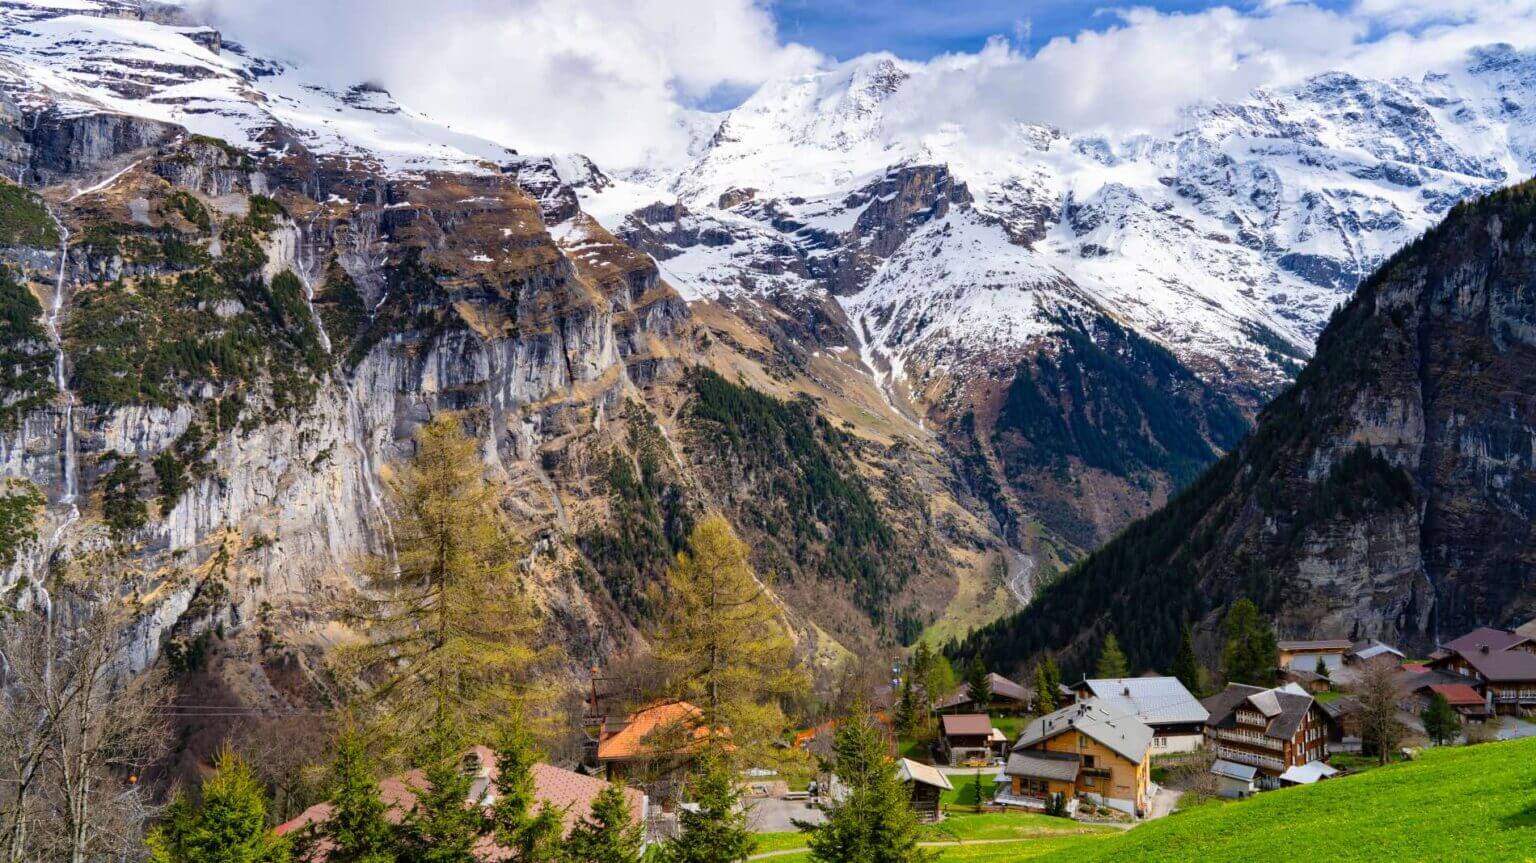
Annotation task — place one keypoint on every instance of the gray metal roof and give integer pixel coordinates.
(1372, 648)
(1232, 770)
(1119, 731)
(1153, 700)
(1061, 766)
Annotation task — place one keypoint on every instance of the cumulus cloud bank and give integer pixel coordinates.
(604, 77)
(612, 78)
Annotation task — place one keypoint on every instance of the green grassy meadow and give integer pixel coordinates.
(1475, 803)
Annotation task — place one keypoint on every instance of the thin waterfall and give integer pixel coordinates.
(355, 419)
(60, 377)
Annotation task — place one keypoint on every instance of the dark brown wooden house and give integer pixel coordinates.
(1271, 729)
(927, 785)
(966, 737)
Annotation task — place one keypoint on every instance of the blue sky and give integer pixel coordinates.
(920, 29)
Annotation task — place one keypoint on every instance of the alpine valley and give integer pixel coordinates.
(921, 367)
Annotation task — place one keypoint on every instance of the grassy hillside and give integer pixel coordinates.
(1477, 803)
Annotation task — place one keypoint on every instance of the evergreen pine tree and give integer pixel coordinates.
(1111, 659)
(1251, 651)
(1053, 677)
(1440, 721)
(356, 831)
(718, 831)
(920, 671)
(532, 836)
(1045, 696)
(978, 684)
(1322, 668)
(443, 826)
(229, 827)
(907, 707)
(1186, 667)
(874, 821)
(934, 677)
(609, 834)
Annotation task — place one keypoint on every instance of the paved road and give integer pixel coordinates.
(772, 815)
(1511, 728)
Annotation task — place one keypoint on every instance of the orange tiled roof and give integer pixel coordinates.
(562, 789)
(632, 742)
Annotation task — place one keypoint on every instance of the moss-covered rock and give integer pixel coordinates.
(20, 504)
(26, 357)
(24, 221)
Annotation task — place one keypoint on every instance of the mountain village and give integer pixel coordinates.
(842, 482)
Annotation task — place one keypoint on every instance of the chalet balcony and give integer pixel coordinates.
(1005, 797)
(1253, 759)
(1248, 738)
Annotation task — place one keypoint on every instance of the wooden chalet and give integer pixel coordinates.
(1007, 698)
(1085, 749)
(926, 784)
(1304, 655)
(966, 737)
(1271, 729)
(1469, 704)
(1499, 664)
(1176, 717)
(653, 740)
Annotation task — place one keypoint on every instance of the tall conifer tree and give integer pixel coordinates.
(722, 641)
(448, 628)
(1186, 667)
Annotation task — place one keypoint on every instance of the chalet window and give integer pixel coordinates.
(1088, 781)
(1088, 761)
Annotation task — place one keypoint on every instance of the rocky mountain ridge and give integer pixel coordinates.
(232, 297)
(1225, 241)
(240, 291)
(1384, 496)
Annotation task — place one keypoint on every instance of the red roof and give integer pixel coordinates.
(562, 789)
(967, 724)
(1415, 668)
(1458, 694)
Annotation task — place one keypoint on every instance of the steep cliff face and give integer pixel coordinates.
(1385, 495)
(218, 346)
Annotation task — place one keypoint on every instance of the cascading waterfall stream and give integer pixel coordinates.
(60, 378)
(68, 457)
(354, 407)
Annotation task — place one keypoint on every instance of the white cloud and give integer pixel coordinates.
(604, 77)
(610, 77)
(1139, 72)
